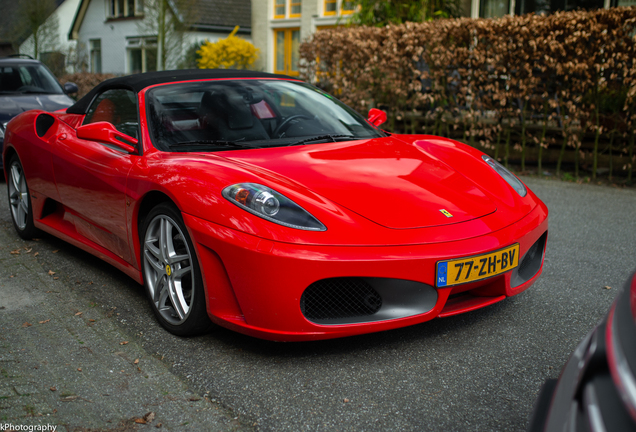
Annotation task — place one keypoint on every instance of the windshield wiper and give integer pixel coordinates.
(208, 143)
(320, 137)
(37, 92)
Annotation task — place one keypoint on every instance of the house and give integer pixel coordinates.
(122, 36)
(54, 48)
(278, 26)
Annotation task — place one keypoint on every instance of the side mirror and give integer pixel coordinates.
(376, 117)
(70, 88)
(106, 133)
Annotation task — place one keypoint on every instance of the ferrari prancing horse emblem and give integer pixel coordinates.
(446, 213)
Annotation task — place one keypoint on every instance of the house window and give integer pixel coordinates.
(294, 9)
(96, 55)
(142, 54)
(125, 8)
(287, 9)
(279, 8)
(494, 8)
(344, 6)
(287, 43)
(347, 7)
(330, 7)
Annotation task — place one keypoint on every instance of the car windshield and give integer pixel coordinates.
(28, 78)
(231, 114)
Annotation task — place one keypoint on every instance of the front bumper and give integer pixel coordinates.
(256, 286)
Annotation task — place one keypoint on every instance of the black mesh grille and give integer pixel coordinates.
(339, 298)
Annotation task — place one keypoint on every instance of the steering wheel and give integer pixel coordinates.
(287, 122)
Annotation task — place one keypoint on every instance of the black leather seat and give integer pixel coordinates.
(225, 115)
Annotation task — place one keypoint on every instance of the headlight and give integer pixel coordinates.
(271, 205)
(509, 177)
(3, 127)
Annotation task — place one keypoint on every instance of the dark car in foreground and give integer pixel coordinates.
(597, 387)
(27, 84)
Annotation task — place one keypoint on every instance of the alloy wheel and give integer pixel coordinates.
(168, 269)
(18, 196)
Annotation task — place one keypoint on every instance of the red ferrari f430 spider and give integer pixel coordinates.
(262, 204)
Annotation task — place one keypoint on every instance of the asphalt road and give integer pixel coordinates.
(480, 371)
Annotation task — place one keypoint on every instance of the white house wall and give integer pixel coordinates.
(64, 15)
(112, 34)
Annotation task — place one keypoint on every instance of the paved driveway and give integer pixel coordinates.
(476, 372)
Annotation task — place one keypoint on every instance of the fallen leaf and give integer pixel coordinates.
(346, 400)
(51, 272)
(56, 251)
(140, 421)
(607, 287)
(79, 369)
(194, 399)
(44, 322)
(36, 254)
(158, 425)
(28, 250)
(136, 361)
(149, 417)
(53, 389)
(91, 320)
(26, 324)
(12, 276)
(68, 398)
(79, 313)
(56, 277)
(123, 343)
(15, 252)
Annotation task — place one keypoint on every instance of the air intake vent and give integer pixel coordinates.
(43, 123)
(339, 298)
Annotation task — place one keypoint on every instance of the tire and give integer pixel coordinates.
(20, 200)
(171, 272)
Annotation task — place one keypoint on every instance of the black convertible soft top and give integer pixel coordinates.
(139, 82)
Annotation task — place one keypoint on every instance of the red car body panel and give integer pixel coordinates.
(380, 200)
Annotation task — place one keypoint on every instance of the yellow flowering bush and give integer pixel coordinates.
(229, 53)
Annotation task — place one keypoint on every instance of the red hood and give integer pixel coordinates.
(390, 182)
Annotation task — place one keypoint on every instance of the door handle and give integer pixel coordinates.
(61, 137)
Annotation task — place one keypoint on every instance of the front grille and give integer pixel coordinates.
(339, 298)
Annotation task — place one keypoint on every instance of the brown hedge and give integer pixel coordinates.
(85, 81)
(537, 82)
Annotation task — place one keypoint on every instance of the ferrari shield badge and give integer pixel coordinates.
(446, 213)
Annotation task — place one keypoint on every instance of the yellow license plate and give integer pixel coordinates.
(470, 269)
